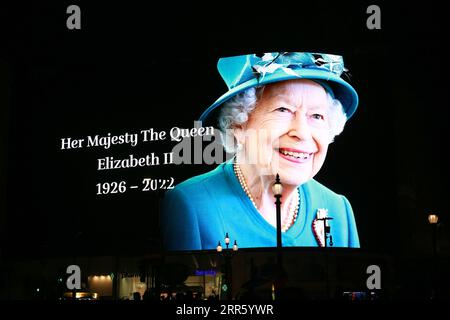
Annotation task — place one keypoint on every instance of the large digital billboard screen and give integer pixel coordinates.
(308, 126)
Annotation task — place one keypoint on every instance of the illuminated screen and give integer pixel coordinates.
(276, 121)
(117, 145)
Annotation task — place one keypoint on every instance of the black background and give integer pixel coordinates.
(135, 66)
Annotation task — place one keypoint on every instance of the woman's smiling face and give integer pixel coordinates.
(288, 132)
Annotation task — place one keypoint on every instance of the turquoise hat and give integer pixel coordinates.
(246, 71)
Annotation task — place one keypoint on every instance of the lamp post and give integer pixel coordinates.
(433, 221)
(228, 253)
(326, 235)
(277, 190)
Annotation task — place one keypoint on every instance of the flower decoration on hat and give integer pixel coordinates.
(287, 62)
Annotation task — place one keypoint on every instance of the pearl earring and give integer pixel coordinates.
(239, 146)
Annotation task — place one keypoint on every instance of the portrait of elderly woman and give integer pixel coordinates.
(282, 110)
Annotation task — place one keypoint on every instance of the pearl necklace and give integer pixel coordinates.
(290, 219)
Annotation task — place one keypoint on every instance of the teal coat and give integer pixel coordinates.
(197, 213)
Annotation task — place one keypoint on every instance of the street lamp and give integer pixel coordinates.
(235, 246)
(433, 221)
(277, 189)
(322, 215)
(228, 253)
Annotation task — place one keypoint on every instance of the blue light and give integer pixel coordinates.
(205, 272)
